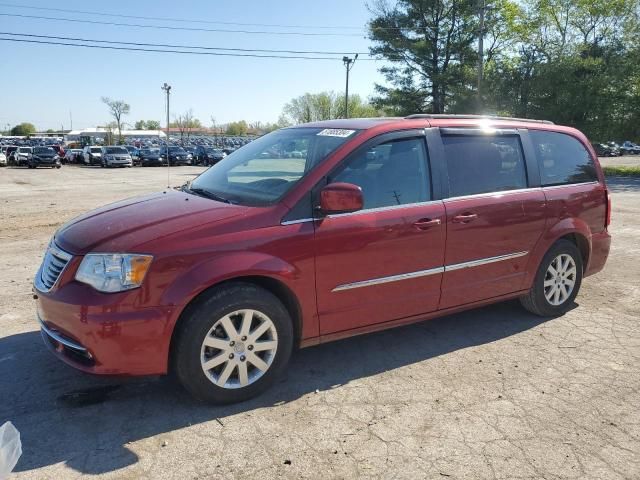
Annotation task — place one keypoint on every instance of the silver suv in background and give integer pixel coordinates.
(115, 156)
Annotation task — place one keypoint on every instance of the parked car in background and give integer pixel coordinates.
(135, 154)
(603, 150)
(175, 155)
(220, 281)
(59, 149)
(150, 157)
(208, 155)
(44, 157)
(92, 155)
(115, 156)
(11, 153)
(22, 156)
(615, 149)
(3, 159)
(74, 155)
(630, 148)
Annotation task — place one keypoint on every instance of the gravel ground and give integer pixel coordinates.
(492, 393)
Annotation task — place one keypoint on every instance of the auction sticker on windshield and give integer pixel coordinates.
(335, 132)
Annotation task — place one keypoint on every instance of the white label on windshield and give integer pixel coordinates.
(336, 132)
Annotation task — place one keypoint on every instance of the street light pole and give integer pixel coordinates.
(348, 64)
(167, 88)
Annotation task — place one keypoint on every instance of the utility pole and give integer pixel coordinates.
(167, 88)
(481, 4)
(348, 64)
(71, 119)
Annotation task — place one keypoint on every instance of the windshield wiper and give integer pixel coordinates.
(207, 194)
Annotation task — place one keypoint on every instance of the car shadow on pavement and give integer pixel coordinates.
(623, 184)
(87, 422)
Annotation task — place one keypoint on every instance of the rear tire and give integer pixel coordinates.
(243, 362)
(557, 281)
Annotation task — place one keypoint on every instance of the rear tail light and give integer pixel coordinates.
(608, 197)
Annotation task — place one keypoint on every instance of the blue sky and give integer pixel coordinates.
(43, 83)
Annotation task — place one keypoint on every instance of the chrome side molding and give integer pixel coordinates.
(431, 271)
(392, 278)
(484, 261)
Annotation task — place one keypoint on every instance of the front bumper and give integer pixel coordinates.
(105, 334)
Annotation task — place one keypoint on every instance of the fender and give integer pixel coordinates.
(242, 264)
(559, 229)
(225, 267)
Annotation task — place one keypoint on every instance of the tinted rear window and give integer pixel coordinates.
(562, 159)
(484, 164)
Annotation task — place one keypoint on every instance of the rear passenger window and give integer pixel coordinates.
(484, 164)
(392, 173)
(562, 159)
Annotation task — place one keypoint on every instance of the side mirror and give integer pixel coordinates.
(341, 198)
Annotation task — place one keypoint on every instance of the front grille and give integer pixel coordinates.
(54, 263)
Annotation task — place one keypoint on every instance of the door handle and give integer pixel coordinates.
(464, 218)
(426, 223)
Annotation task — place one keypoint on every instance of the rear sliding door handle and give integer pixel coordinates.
(426, 223)
(465, 218)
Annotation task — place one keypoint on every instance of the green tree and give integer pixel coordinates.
(428, 45)
(312, 107)
(23, 129)
(153, 125)
(237, 128)
(117, 108)
(140, 125)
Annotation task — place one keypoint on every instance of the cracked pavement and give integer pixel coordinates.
(493, 393)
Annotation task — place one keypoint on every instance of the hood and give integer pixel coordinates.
(125, 225)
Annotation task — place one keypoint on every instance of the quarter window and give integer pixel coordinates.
(562, 159)
(484, 164)
(391, 173)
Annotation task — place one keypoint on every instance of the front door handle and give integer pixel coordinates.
(464, 218)
(425, 223)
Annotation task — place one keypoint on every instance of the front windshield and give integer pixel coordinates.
(95, 150)
(262, 171)
(113, 150)
(176, 150)
(41, 150)
(24, 149)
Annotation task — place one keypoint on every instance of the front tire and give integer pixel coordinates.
(557, 281)
(232, 344)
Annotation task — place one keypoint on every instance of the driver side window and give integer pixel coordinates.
(391, 173)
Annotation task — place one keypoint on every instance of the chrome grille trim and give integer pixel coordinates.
(54, 263)
(60, 339)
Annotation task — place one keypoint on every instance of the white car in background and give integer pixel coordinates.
(3, 159)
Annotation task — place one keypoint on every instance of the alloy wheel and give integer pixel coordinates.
(560, 279)
(239, 349)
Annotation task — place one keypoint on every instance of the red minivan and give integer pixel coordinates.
(319, 232)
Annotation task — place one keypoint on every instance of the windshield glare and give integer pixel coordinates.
(261, 172)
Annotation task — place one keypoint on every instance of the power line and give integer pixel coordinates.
(185, 52)
(166, 45)
(185, 20)
(193, 29)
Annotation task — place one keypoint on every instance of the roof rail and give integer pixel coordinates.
(474, 117)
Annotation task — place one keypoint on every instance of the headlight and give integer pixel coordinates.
(113, 272)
